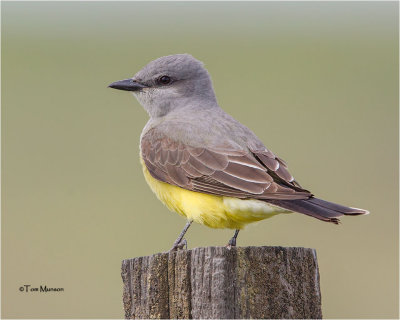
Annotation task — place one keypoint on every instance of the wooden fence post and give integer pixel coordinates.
(215, 282)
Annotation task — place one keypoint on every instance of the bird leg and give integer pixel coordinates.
(232, 242)
(180, 242)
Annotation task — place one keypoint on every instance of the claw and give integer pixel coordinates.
(232, 241)
(181, 242)
(180, 246)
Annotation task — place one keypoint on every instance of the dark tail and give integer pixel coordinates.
(317, 208)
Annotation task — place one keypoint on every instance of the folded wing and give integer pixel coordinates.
(255, 174)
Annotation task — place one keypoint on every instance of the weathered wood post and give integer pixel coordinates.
(215, 282)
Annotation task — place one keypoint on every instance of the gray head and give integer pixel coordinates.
(169, 83)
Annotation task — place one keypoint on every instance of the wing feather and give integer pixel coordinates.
(191, 171)
(271, 163)
(177, 175)
(201, 167)
(240, 184)
(213, 160)
(245, 174)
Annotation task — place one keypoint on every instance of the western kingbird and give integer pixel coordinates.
(205, 165)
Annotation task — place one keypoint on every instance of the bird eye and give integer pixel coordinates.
(164, 80)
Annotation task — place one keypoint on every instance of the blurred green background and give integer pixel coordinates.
(317, 82)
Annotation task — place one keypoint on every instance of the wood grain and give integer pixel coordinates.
(215, 282)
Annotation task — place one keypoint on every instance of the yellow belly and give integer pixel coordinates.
(210, 210)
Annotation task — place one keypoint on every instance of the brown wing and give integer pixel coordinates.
(220, 171)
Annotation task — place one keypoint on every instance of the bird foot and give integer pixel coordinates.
(179, 246)
(231, 243)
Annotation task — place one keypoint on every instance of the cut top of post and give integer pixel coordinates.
(216, 282)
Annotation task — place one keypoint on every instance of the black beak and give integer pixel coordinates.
(127, 85)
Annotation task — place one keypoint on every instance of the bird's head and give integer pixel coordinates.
(168, 83)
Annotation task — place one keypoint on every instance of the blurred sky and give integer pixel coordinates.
(316, 81)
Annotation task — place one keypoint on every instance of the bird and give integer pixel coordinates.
(202, 163)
